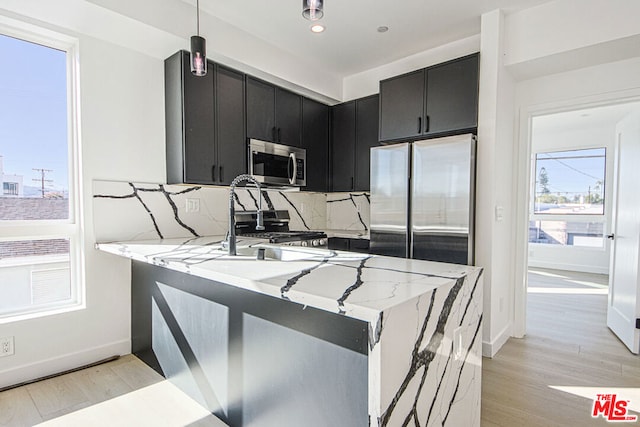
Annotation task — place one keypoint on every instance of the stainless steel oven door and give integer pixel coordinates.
(277, 164)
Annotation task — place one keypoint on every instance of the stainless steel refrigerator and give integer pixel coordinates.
(422, 199)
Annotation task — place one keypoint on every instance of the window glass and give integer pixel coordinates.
(570, 182)
(34, 153)
(39, 268)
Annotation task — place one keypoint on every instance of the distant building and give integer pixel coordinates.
(10, 185)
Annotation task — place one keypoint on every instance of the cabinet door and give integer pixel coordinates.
(366, 137)
(288, 118)
(402, 106)
(230, 138)
(315, 139)
(343, 140)
(452, 95)
(261, 122)
(199, 125)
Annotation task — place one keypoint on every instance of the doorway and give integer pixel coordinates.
(570, 214)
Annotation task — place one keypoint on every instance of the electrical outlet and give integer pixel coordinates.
(458, 350)
(6, 346)
(192, 205)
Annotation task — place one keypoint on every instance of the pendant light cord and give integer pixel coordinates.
(198, 17)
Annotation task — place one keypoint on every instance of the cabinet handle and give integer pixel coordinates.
(426, 124)
(273, 133)
(419, 124)
(279, 140)
(213, 173)
(351, 183)
(221, 174)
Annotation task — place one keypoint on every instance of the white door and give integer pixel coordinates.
(624, 287)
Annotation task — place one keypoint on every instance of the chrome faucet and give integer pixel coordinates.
(231, 234)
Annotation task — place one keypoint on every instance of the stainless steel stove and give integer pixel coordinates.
(276, 223)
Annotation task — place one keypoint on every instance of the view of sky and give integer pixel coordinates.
(33, 112)
(571, 172)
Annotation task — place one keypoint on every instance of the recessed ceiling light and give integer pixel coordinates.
(383, 29)
(317, 28)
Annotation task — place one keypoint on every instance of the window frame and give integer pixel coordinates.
(71, 228)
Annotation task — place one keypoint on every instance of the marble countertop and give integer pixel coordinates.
(360, 286)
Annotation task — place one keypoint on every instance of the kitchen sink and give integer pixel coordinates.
(279, 253)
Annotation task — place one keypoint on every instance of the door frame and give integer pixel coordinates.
(522, 158)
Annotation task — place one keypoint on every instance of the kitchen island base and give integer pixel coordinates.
(251, 359)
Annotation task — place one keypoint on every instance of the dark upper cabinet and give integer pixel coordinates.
(315, 139)
(230, 129)
(438, 100)
(204, 118)
(261, 118)
(273, 114)
(288, 118)
(402, 106)
(366, 137)
(354, 131)
(452, 95)
(343, 143)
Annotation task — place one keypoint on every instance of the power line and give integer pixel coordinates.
(571, 167)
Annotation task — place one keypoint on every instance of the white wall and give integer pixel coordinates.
(368, 82)
(122, 138)
(576, 258)
(570, 34)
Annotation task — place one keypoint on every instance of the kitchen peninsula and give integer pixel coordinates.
(308, 336)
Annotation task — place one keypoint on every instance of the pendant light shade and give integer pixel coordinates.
(312, 9)
(198, 56)
(198, 49)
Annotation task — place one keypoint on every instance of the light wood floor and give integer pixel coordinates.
(567, 345)
(125, 392)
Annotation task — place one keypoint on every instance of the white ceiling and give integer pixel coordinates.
(596, 117)
(351, 43)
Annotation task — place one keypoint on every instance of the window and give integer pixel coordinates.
(570, 182)
(569, 198)
(40, 233)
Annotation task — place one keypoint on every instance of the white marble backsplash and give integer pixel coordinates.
(348, 211)
(125, 211)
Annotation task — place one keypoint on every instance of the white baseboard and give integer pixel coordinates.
(568, 267)
(62, 363)
(490, 348)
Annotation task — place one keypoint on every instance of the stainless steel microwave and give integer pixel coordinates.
(277, 164)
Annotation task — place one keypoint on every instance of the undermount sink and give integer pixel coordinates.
(279, 253)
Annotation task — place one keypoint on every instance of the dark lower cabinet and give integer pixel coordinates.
(315, 139)
(250, 359)
(354, 130)
(435, 101)
(347, 244)
(204, 118)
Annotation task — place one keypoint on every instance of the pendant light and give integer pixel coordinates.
(198, 49)
(312, 9)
